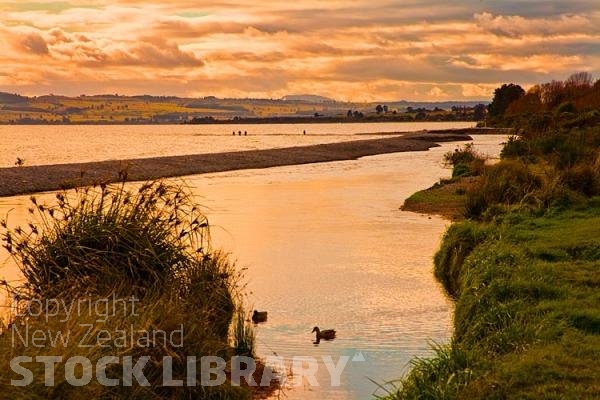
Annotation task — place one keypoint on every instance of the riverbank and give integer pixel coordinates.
(31, 179)
(522, 268)
(527, 317)
(446, 199)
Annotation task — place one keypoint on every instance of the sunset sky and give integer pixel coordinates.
(348, 50)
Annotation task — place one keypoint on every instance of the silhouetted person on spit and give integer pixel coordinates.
(245, 133)
(239, 133)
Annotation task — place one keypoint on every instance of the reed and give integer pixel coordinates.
(152, 243)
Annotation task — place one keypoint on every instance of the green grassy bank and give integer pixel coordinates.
(527, 319)
(522, 265)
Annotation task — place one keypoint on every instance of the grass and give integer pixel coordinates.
(523, 267)
(108, 235)
(446, 198)
(104, 243)
(527, 314)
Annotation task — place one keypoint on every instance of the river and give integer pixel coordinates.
(326, 244)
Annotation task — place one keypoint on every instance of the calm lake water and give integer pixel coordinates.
(326, 244)
(43, 144)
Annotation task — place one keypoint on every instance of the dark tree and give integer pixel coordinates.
(421, 116)
(349, 114)
(503, 96)
(379, 108)
(385, 109)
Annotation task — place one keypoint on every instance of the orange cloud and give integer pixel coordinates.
(348, 50)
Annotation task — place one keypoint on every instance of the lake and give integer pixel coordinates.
(51, 144)
(326, 244)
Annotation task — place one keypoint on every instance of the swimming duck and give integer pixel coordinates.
(259, 316)
(327, 334)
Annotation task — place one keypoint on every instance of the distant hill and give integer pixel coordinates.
(9, 98)
(445, 105)
(309, 98)
(149, 109)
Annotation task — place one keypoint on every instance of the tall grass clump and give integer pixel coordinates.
(508, 182)
(104, 236)
(465, 161)
(583, 178)
(243, 334)
(150, 243)
(440, 376)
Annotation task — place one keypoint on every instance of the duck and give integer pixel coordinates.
(326, 334)
(259, 316)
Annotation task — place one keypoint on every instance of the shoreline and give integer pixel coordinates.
(41, 178)
(522, 274)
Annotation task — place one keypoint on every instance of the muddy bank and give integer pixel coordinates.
(30, 179)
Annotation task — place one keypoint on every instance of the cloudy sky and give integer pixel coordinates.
(354, 50)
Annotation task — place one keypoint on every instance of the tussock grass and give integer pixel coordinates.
(438, 377)
(465, 161)
(108, 235)
(106, 242)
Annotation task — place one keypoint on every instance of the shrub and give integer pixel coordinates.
(461, 170)
(507, 182)
(101, 238)
(583, 178)
(465, 161)
(515, 147)
(566, 107)
(460, 156)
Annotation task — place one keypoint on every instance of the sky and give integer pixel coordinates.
(352, 50)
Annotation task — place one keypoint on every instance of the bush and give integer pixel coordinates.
(566, 107)
(460, 156)
(465, 161)
(583, 178)
(461, 170)
(515, 147)
(507, 182)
